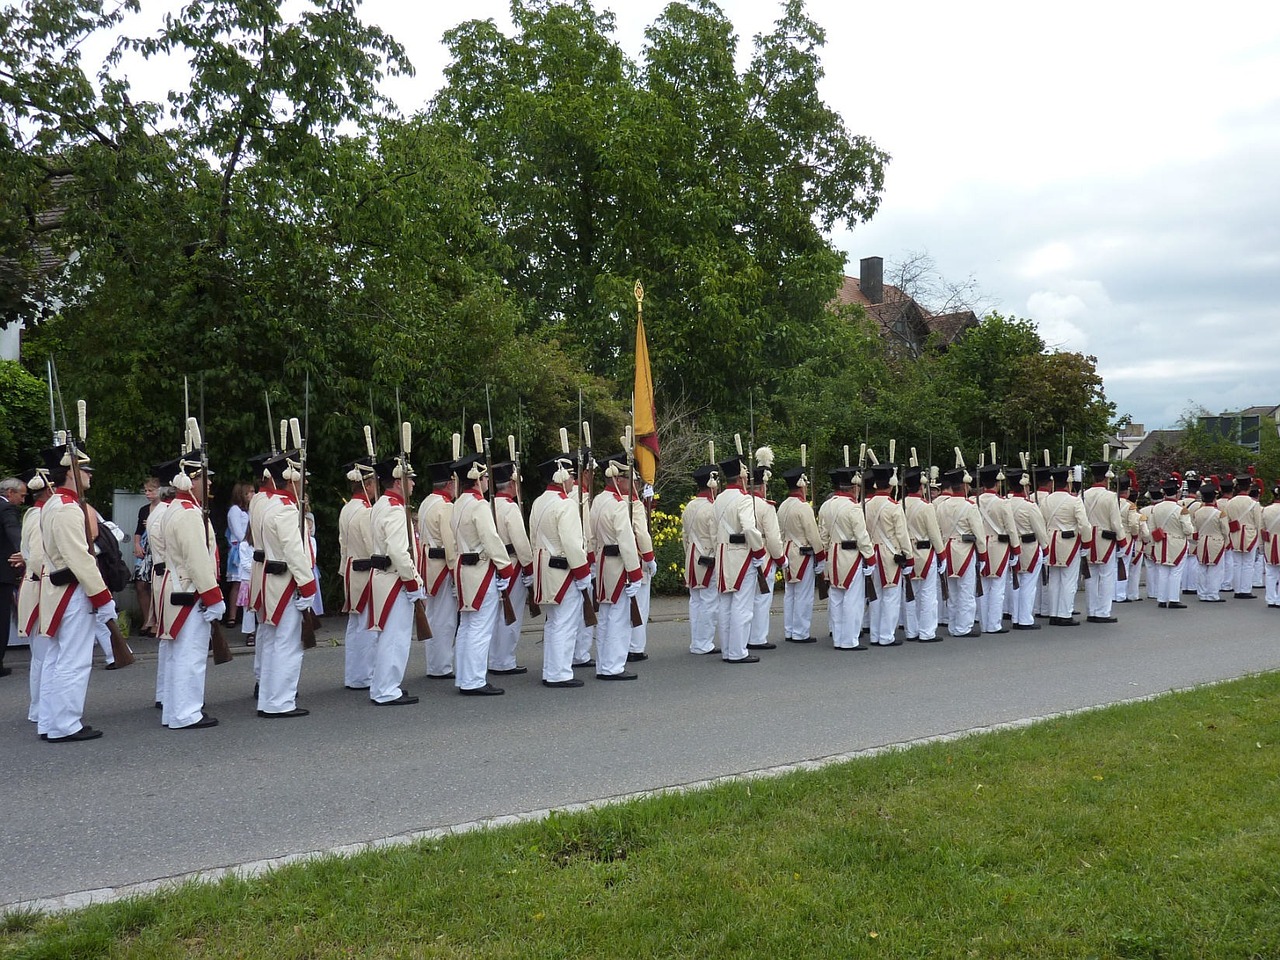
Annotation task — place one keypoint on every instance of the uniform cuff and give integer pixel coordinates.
(308, 589)
(99, 599)
(1234, 526)
(820, 555)
(647, 557)
(527, 569)
(635, 576)
(506, 572)
(211, 596)
(579, 573)
(409, 584)
(757, 554)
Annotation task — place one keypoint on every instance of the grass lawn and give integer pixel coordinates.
(1148, 830)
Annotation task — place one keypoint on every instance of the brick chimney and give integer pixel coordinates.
(871, 278)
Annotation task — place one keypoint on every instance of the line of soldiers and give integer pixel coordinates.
(949, 553)
(465, 567)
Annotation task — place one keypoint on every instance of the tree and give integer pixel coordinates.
(24, 424)
(709, 186)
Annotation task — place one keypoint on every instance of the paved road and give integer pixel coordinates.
(144, 802)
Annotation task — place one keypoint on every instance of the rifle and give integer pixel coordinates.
(900, 475)
(589, 604)
(1121, 573)
(534, 609)
(310, 622)
(637, 619)
(119, 646)
(482, 446)
(870, 581)
(762, 583)
(217, 641)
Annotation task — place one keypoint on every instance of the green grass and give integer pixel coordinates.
(1147, 831)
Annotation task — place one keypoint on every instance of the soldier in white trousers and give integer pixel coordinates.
(1068, 528)
(698, 532)
(921, 614)
(1033, 538)
(192, 599)
(73, 600)
(395, 585)
(562, 575)
(806, 560)
(765, 514)
(1270, 549)
(1107, 540)
(1244, 516)
(286, 589)
(960, 525)
(1171, 531)
(842, 527)
(484, 572)
(618, 567)
(894, 557)
(511, 531)
(438, 564)
(355, 548)
(999, 547)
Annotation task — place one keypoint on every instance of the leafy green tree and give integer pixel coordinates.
(24, 419)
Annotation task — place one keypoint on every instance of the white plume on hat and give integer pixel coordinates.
(764, 460)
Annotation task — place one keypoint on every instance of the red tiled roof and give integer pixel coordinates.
(897, 306)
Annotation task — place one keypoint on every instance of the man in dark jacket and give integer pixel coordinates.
(12, 492)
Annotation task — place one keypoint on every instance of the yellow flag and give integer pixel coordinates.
(646, 413)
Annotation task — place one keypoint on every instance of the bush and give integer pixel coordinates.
(668, 551)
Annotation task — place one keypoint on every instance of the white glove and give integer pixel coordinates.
(866, 571)
(527, 580)
(649, 567)
(215, 612)
(757, 563)
(414, 595)
(105, 613)
(785, 562)
(820, 567)
(585, 583)
(302, 604)
(502, 583)
(631, 589)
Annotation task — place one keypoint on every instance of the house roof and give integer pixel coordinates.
(1260, 411)
(897, 307)
(1154, 439)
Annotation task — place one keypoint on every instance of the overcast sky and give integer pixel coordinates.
(1110, 170)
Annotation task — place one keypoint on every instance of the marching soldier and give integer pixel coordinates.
(439, 564)
(806, 559)
(740, 552)
(698, 524)
(286, 590)
(1171, 529)
(1068, 527)
(73, 600)
(562, 574)
(484, 572)
(998, 548)
(1189, 498)
(191, 599)
(1244, 516)
(395, 585)
(32, 547)
(887, 530)
(775, 558)
(511, 531)
(1271, 547)
(1106, 541)
(355, 547)
(850, 558)
(1212, 530)
(260, 500)
(618, 572)
(927, 547)
(1033, 539)
(960, 525)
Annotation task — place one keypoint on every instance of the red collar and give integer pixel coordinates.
(797, 495)
(1018, 493)
(474, 492)
(361, 497)
(556, 488)
(881, 493)
(444, 495)
(736, 486)
(507, 497)
(706, 495)
(847, 494)
(918, 496)
(284, 495)
(991, 490)
(67, 492)
(1100, 483)
(185, 496)
(393, 498)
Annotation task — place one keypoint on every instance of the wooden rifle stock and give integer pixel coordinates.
(946, 587)
(422, 627)
(1044, 573)
(508, 611)
(908, 587)
(309, 624)
(762, 582)
(823, 585)
(218, 643)
(636, 619)
(872, 593)
(1084, 568)
(119, 646)
(589, 618)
